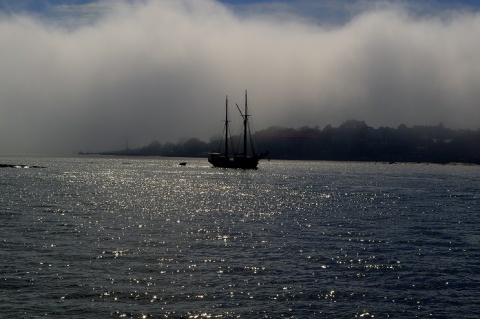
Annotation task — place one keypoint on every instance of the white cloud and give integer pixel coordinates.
(160, 70)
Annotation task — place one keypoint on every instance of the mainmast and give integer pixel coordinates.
(245, 125)
(226, 126)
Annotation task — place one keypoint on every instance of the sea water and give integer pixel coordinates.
(94, 237)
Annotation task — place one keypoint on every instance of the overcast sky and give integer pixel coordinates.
(84, 75)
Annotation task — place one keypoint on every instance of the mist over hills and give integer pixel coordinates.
(77, 75)
(353, 140)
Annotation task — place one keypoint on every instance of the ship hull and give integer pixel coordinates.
(236, 162)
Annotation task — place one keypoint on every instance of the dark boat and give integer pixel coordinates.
(247, 159)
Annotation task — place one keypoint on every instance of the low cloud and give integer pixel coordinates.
(161, 70)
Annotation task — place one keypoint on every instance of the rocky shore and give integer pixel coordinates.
(19, 166)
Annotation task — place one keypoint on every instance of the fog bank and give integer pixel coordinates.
(161, 69)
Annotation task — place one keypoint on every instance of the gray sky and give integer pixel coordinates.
(97, 73)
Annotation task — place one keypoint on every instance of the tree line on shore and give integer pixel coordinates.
(353, 140)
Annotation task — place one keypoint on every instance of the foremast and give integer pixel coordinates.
(226, 126)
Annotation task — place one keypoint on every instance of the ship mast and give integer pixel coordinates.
(226, 126)
(245, 124)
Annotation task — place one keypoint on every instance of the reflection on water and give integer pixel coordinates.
(147, 238)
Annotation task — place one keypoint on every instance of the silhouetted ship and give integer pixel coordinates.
(248, 159)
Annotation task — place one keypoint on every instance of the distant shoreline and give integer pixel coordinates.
(387, 162)
(352, 141)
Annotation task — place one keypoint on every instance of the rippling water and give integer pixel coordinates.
(147, 238)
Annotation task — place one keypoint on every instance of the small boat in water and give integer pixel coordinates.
(247, 159)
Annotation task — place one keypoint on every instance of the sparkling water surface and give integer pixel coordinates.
(93, 237)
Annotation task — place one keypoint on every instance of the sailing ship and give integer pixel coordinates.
(247, 159)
